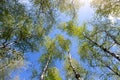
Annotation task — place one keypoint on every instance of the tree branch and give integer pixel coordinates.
(112, 37)
(18, 57)
(106, 65)
(104, 49)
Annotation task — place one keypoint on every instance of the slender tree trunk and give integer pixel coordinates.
(77, 76)
(104, 49)
(45, 68)
(114, 71)
(113, 38)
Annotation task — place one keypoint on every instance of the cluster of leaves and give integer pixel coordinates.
(22, 32)
(73, 29)
(52, 74)
(99, 46)
(54, 49)
(69, 71)
(107, 7)
(19, 34)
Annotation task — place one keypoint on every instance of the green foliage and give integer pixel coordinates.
(107, 7)
(73, 30)
(69, 71)
(54, 48)
(64, 44)
(97, 44)
(44, 4)
(53, 74)
(91, 49)
(17, 27)
(20, 33)
(68, 6)
(17, 35)
(84, 50)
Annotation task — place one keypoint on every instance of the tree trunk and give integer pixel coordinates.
(45, 68)
(77, 76)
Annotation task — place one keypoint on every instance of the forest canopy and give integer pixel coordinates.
(50, 29)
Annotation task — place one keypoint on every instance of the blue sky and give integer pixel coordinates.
(85, 13)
